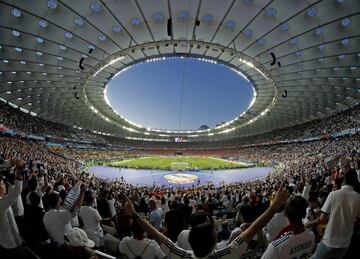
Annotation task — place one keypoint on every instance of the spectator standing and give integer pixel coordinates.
(205, 247)
(156, 215)
(223, 235)
(164, 206)
(293, 241)
(139, 246)
(35, 187)
(245, 203)
(91, 219)
(192, 204)
(111, 201)
(17, 206)
(175, 220)
(341, 210)
(104, 209)
(57, 219)
(277, 223)
(35, 231)
(11, 243)
(196, 219)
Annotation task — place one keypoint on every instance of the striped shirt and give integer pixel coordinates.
(234, 250)
(291, 246)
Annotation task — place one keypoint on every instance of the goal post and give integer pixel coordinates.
(179, 166)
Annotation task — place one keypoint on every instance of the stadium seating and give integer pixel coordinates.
(303, 166)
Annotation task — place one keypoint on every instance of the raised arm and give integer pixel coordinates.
(10, 198)
(46, 182)
(129, 208)
(260, 222)
(306, 191)
(81, 196)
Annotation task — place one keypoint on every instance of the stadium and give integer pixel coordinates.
(135, 128)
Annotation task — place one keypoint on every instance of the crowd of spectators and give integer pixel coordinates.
(46, 223)
(98, 154)
(15, 119)
(337, 122)
(49, 208)
(321, 127)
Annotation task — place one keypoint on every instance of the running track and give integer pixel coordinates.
(148, 177)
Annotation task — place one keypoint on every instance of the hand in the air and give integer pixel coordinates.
(129, 207)
(280, 197)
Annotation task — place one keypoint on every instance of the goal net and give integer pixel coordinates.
(179, 166)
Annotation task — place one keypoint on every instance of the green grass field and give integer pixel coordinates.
(167, 163)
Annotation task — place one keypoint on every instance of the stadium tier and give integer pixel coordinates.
(179, 129)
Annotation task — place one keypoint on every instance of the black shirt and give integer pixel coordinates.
(34, 226)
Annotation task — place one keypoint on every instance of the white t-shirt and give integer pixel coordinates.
(306, 191)
(234, 250)
(224, 199)
(17, 206)
(192, 204)
(291, 246)
(310, 214)
(145, 248)
(237, 232)
(343, 208)
(91, 219)
(183, 240)
(9, 232)
(221, 245)
(328, 180)
(277, 223)
(57, 223)
(165, 208)
(112, 207)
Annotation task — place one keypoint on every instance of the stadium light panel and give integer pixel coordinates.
(108, 64)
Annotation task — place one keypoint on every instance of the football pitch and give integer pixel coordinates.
(178, 163)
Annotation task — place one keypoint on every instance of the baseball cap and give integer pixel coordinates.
(77, 237)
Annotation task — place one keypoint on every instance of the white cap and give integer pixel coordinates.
(77, 237)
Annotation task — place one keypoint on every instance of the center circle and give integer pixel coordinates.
(179, 93)
(180, 178)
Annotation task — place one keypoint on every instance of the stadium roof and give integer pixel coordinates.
(316, 43)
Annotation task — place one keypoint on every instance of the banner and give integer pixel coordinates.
(34, 137)
(345, 132)
(71, 198)
(311, 139)
(52, 144)
(10, 132)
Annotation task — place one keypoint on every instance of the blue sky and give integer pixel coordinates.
(149, 94)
